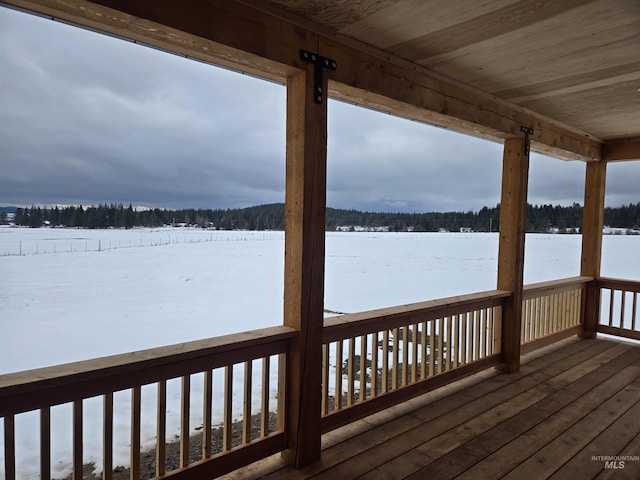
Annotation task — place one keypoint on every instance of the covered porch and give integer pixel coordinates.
(482, 384)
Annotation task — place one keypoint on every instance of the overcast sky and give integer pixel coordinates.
(88, 119)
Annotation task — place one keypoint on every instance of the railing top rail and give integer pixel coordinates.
(344, 326)
(619, 284)
(553, 286)
(83, 379)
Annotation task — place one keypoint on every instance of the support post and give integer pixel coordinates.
(305, 206)
(513, 222)
(592, 223)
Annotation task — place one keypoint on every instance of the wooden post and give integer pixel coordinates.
(513, 222)
(305, 206)
(592, 223)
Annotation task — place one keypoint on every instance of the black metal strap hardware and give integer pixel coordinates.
(528, 131)
(320, 64)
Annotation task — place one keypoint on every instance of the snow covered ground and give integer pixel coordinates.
(68, 295)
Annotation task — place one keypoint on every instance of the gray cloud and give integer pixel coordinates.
(89, 119)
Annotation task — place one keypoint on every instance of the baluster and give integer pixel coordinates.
(490, 330)
(415, 342)
(571, 299)
(432, 348)
(136, 400)
(350, 371)
(441, 334)
(282, 391)
(547, 302)
(161, 429)
(634, 310)
(405, 354)
(45, 443)
(523, 325)
(185, 407)
(456, 352)
(464, 339)
(374, 364)
(338, 379)
(550, 302)
(77, 439)
(10, 447)
(611, 302)
(363, 367)
(447, 345)
(107, 436)
(395, 358)
(483, 333)
(623, 296)
(385, 361)
(207, 415)
(576, 307)
(561, 314)
(423, 351)
(325, 379)
(558, 315)
(227, 408)
(246, 424)
(266, 373)
(534, 317)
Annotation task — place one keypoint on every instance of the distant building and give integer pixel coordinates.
(359, 228)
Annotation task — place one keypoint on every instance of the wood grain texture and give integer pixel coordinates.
(488, 425)
(592, 223)
(305, 205)
(513, 219)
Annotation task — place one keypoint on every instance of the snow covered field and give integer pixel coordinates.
(68, 295)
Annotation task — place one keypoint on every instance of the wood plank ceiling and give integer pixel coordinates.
(574, 61)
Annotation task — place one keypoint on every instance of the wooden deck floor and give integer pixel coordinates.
(570, 403)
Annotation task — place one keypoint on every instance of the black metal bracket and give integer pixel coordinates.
(320, 64)
(528, 131)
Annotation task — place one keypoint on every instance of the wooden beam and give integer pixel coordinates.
(113, 18)
(305, 205)
(621, 150)
(249, 38)
(513, 222)
(592, 223)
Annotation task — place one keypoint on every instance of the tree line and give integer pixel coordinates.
(540, 218)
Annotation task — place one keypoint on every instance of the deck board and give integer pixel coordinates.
(533, 428)
(569, 402)
(611, 440)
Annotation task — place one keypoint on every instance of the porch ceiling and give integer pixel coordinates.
(574, 61)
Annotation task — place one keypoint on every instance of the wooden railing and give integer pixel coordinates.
(375, 359)
(371, 360)
(252, 357)
(551, 311)
(619, 309)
